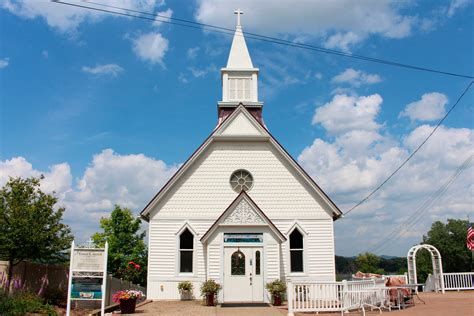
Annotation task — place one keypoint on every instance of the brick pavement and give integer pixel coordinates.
(449, 304)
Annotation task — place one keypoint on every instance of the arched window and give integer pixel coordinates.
(237, 263)
(296, 251)
(186, 249)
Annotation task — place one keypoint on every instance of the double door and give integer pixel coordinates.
(243, 274)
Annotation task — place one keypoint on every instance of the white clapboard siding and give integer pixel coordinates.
(214, 260)
(204, 190)
(319, 247)
(272, 261)
(163, 252)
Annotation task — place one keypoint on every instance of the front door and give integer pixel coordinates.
(243, 274)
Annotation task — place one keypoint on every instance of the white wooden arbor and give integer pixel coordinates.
(435, 260)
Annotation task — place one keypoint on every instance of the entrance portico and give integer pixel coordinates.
(249, 245)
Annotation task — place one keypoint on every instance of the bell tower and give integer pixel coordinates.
(239, 79)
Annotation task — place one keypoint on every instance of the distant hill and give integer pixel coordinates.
(346, 266)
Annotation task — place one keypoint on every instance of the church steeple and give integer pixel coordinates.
(239, 78)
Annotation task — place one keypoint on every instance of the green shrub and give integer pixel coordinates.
(276, 287)
(55, 296)
(210, 287)
(24, 302)
(185, 286)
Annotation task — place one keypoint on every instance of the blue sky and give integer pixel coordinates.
(93, 101)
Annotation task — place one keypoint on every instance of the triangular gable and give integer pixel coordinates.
(243, 211)
(217, 134)
(240, 123)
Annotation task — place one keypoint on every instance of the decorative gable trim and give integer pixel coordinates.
(243, 211)
(243, 214)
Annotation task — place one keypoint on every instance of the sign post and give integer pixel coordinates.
(87, 275)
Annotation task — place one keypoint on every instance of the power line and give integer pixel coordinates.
(255, 36)
(222, 30)
(413, 153)
(415, 218)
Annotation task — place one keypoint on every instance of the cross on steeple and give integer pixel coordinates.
(239, 13)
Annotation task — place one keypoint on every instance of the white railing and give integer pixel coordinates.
(335, 296)
(382, 277)
(458, 281)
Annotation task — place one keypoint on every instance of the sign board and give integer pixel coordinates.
(91, 260)
(87, 275)
(86, 289)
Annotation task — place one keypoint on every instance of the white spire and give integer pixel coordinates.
(239, 57)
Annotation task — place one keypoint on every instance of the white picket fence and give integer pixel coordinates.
(335, 296)
(458, 281)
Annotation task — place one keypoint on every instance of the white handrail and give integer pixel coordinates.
(458, 281)
(342, 296)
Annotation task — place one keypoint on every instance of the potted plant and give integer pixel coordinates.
(277, 289)
(185, 288)
(127, 300)
(209, 289)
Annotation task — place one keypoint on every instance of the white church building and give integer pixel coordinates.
(240, 210)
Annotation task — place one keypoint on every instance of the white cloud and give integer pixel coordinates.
(163, 16)
(192, 52)
(65, 18)
(4, 62)
(127, 180)
(45, 53)
(430, 107)
(339, 23)
(344, 113)
(359, 158)
(202, 72)
(107, 69)
(343, 41)
(455, 5)
(151, 47)
(182, 78)
(318, 75)
(58, 179)
(356, 78)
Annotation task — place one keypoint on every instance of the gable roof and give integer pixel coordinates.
(261, 218)
(265, 135)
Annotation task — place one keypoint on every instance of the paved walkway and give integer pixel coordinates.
(449, 304)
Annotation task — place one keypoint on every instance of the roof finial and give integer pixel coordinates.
(239, 13)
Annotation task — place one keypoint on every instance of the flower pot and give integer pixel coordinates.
(128, 306)
(210, 299)
(277, 300)
(186, 296)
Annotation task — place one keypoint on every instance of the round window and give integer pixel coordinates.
(241, 180)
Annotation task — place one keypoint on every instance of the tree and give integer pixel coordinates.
(30, 227)
(368, 263)
(450, 240)
(127, 250)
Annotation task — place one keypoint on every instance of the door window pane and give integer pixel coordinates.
(257, 263)
(238, 263)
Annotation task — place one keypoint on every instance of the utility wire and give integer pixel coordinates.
(255, 36)
(413, 153)
(217, 29)
(415, 218)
